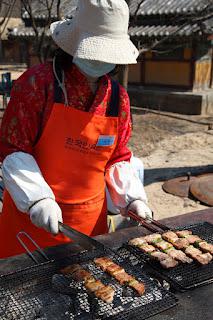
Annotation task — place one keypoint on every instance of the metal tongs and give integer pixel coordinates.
(148, 225)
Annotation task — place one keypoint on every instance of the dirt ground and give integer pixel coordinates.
(171, 147)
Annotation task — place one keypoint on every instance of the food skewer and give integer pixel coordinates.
(179, 239)
(107, 265)
(105, 293)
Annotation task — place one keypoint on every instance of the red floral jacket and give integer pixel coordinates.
(31, 103)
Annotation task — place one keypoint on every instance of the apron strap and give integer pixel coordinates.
(58, 92)
(113, 108)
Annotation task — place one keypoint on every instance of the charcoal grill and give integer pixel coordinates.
(39, 293)
(184, 276)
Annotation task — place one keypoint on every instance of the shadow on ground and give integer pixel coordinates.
(162, 174)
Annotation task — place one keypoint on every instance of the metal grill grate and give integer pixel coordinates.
(40, 293)
(184, 276)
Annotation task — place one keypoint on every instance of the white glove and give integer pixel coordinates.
(46, 214)
(140, 208)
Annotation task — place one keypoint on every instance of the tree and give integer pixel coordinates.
(6, 9)
(198, 17)
(42, 43)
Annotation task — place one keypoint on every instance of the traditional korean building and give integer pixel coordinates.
(175, 75)
(10, 51)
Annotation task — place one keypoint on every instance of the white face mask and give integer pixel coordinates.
(93, 68)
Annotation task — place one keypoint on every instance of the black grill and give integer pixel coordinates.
(40, 292)
(184, 276)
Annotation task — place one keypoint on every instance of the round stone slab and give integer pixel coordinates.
(202, 188)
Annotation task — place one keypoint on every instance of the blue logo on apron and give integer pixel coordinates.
(105, 141)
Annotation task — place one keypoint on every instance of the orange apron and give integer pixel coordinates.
(72, 154)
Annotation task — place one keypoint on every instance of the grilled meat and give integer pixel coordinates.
(169, 263)
(165, 260)
(183, 233)
(206, 247)
(93, 285)
(152, 238)
(77, 272)
(123, 277)
(113, 269)
(147, 248)
(196, 240)
(158, 255)
(138, 286)
(193, 238)
(170, 236)
(103, 262)
(196, 254)
(137, 241)
(70, 269)
(106, 294)
(120, 275)
(179, 255)
(163, 245)
(181, 243)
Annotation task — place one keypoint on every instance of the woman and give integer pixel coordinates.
(65, 131)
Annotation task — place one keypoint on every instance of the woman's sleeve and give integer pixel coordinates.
(22, 117)
(122, 152)
(121, 178)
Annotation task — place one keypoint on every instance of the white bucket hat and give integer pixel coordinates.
(98, 31)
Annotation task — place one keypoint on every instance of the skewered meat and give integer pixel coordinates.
(170, 236)
(106, 294)
(123, 277)
(120, 275)
(147, 248)
(193, 238)
(179, 255)
(113, 269)
(196, 254)
(169, 263)
(77, 272)
(81, 275)
(158, 255)
(183, 233)
(103, 262)
(196, 240)
(181, 243)
(163, 245)
(93, 285)
(152, 238)
(70, 269)
(138, 286)
(206, 247)
(137, 241)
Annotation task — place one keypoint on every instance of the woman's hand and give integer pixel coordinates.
(46, 214)
(140, 208)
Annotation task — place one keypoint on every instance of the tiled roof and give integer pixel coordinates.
(26, 32)
(160, 7)
(161, 31)
(165, 30)
(146, 27)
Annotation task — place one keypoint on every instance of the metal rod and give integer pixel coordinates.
(159, 225)
(145, 224)
(18, 236)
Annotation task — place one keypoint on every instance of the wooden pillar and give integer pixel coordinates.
(202, 66)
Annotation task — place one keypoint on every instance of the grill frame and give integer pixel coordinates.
(24, 288)
(189, 279)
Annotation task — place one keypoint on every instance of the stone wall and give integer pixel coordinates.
(178, 102)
